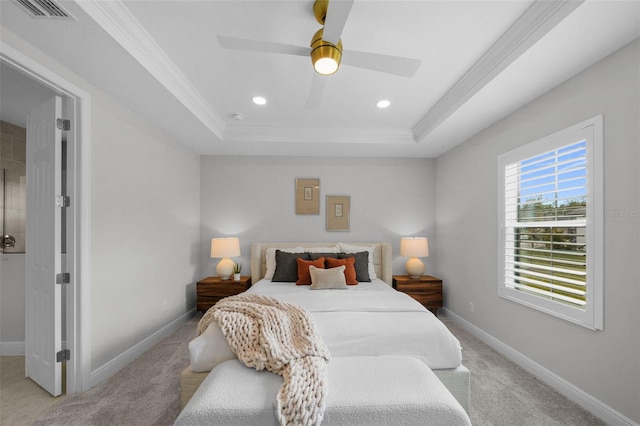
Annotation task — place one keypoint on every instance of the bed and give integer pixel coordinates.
(381, 321)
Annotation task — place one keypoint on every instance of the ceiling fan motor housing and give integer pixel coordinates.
(323, 51)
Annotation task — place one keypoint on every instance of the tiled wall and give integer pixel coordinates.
(13, 155)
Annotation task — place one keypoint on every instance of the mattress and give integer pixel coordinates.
(367, 319)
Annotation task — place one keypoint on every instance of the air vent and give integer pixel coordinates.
(44, 9)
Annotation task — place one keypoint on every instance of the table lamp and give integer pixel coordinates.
(224, 248)
(414, 247)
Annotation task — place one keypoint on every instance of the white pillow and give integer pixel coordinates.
(327, 278)
(346, 248)
(209, 349)
(332, 249)
(270, 255)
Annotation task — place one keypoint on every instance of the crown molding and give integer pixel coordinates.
(540, 18)
(317, 135)
(118, 21)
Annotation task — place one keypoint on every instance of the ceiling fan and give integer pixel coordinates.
(326, 49)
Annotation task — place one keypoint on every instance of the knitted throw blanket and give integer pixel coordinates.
(266, 333)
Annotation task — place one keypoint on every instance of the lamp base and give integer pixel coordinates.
(414, 267)
(225, 268)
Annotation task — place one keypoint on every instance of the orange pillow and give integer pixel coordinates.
(304, 277)
(349, 270)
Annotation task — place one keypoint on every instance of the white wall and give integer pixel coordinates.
(253, 198)
(604, 364)
(145, 231)
(12, 274)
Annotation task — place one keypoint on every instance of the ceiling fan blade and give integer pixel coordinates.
(316, 92)
(404, 67)
(235, 43)
(337, 14)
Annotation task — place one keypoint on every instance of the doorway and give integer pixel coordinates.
(77, 297)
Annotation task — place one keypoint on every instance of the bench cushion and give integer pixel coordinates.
(362, 391)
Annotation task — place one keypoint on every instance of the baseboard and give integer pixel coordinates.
(575, 394)
(11, 348)
(116, 364)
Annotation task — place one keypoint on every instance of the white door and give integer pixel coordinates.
(43, 335)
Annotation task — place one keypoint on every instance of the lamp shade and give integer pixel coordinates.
(225, 247)
(414, 247)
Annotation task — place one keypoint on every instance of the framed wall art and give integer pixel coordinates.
(307, 196)
(338, 212)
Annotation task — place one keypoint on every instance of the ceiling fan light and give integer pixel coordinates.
(325, 56)
(325, 66)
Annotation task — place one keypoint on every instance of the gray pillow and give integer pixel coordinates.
(361, 265)
(316, 256)
(287, 266)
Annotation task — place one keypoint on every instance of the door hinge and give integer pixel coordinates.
(63, 201)
(63, 124)
(63, 355)
(63, 278)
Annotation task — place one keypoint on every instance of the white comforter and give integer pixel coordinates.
(367, 319)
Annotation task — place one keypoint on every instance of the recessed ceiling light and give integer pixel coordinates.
(259, 100)
(237, 116)
(383, 103)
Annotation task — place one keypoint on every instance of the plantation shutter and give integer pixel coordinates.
(545, 241)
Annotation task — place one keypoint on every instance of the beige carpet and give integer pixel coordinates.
(21, 399)
(502, 393)
(147, 391)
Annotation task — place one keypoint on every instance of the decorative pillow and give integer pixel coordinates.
(303, 269)
(327, 278)
(329, 249)
(315, 256)
(347, 248)
(361, 265)
(270, 257)
(349, 271)
(287, 266)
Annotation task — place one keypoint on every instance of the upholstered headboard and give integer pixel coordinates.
(382, 259)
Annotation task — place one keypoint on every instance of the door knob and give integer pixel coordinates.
(8, 241)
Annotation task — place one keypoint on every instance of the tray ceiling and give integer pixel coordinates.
(480, 60)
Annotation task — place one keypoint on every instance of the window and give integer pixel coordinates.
(552, 224)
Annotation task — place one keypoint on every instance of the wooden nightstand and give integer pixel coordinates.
(425, 289)
(212, 289)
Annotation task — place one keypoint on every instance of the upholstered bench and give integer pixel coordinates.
(393, 390)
